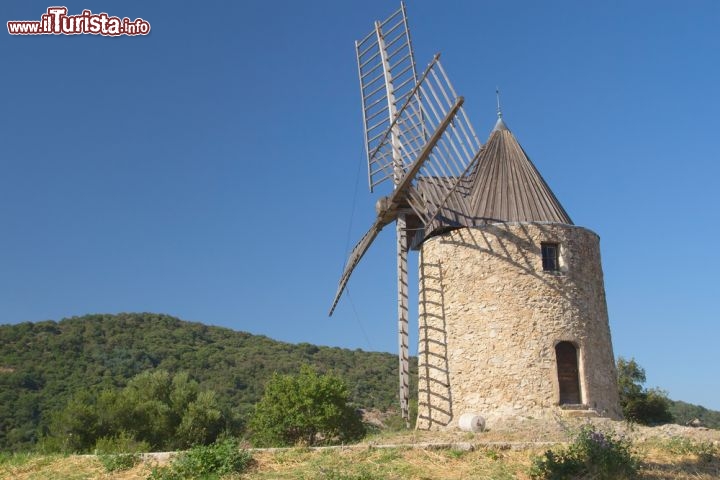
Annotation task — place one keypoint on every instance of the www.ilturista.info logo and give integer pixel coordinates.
(57, 22)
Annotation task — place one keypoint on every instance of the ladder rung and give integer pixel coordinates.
(370, 117)
(379, 124)
(378, 77)
(376, 54)
(365, 39)
(384, 168)
(376, 137)
(368, 95)
(364, 52)
(394, 40)
(408, 55)
(393, 28)
(405, 82)
(374, 103)
(396, 52)
(391, 17)
(365, 74)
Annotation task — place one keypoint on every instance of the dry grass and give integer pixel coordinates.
(390, 464)
(71, 467)
(667, 453)
(483, 463)
(664, 460)
(374, 464)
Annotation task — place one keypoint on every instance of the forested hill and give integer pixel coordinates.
(42, 365)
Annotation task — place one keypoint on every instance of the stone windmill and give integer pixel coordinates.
(512, 313)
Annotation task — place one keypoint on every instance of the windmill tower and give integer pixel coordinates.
(513, 320)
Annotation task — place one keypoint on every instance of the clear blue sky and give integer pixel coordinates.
(213, 169)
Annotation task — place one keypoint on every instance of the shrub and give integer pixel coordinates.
(641, 405)
(306, 408)
(123, 442)
(223, 457)
(119, 461)
(593, 454)
(162, 410)
(705, 451)
(120, 452)
(15, 459)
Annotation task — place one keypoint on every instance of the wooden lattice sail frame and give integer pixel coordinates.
(416, 133)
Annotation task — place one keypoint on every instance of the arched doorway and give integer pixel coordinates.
(568, 378)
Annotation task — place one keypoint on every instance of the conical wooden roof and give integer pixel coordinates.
(507, 187)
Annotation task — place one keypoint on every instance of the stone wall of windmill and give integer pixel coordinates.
(492, 318)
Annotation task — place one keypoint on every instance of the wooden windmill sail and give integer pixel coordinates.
(416, 135)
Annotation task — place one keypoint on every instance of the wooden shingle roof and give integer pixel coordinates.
(505, 186)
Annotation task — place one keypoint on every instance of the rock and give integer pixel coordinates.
(695, 422)
(471, 422)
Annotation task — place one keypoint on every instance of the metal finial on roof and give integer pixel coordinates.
(499, 125)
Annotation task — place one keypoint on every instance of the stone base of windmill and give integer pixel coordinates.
(578, 411)
(479, 422)
(503, 337)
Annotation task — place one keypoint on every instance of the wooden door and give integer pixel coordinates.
(568, 375)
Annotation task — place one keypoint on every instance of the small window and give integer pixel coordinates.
(550, 256)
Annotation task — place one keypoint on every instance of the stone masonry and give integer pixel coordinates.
(490, 318)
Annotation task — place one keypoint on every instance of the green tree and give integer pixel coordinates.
(75, 428)
(202, 420)
(641, 405)
(156, 408)
(308, 408)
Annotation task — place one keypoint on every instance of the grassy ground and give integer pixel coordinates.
(673, 453)
(370, 464)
